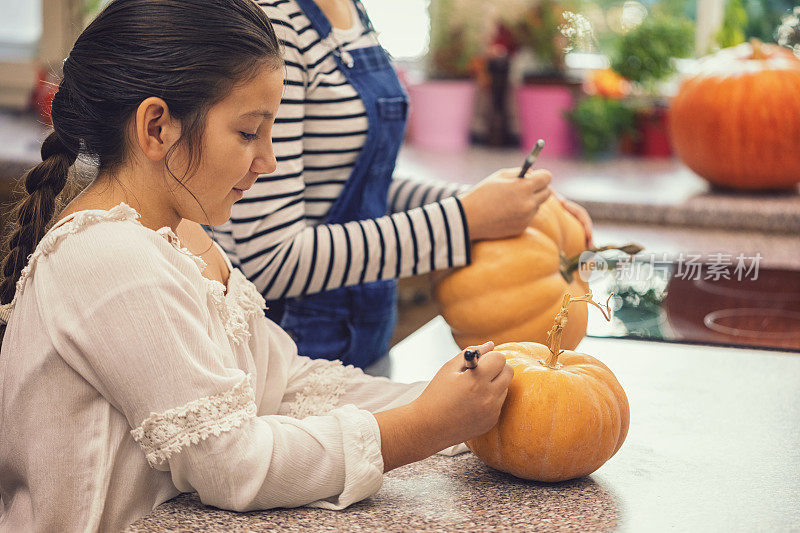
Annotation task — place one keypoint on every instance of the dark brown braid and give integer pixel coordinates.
(33, 214)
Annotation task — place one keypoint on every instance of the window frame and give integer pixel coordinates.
(62, 22)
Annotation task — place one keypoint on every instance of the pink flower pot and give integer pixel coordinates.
(441, 114)
(541, 110)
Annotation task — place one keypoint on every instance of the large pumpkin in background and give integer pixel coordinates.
(565, 414)
(736, 122)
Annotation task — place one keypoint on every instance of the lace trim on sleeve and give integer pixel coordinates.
(324, 387)
(163, 434)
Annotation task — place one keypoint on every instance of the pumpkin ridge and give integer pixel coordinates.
(553, 419)
(590, 411)
(614, 410)
(605, 409)
(780, 142)
(462, 318)
(794, 88)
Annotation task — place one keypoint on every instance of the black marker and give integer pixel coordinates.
(531, 159)
(471, 358)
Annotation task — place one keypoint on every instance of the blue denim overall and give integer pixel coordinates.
(355, 323)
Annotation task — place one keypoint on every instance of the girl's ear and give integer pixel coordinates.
(156, 130)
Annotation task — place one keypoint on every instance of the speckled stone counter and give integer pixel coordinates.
(438, 494)
(768, 212)
(777, 250)
(713, 445)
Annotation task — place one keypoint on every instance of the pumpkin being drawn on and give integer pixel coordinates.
(737, 120)
(517, 283)
(565, 414)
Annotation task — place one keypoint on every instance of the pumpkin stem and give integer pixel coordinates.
(571, 264)
(758, 49)
(560, 322)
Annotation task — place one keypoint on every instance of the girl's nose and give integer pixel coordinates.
(265, 162)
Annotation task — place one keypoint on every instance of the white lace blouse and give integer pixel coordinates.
(128, 377)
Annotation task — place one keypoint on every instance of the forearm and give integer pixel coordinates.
(408, 436)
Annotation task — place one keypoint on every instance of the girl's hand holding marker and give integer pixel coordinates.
(519, 200)
(460, 404)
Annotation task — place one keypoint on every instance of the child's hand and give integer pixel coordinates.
(503, 205)
(460, 404)
(581, 214)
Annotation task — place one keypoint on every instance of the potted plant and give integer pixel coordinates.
(442, 106)
(601, 122)
(546, 92)
(645, 56)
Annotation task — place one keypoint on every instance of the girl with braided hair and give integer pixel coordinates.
(137, 363)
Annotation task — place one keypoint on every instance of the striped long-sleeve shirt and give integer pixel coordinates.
(277, 233)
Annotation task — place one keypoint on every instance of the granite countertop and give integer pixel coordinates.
(438, 494)
(777, 250)
(713, 445)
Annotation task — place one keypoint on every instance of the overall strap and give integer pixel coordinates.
(319, 21)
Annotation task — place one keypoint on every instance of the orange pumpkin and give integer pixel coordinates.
(513, 287)
(736, 122)
(565, 414)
